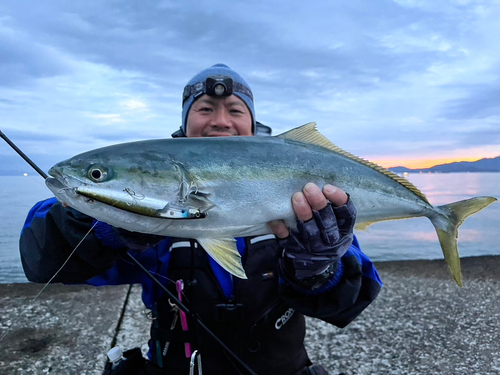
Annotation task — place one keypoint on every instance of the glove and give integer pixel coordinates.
(137, 241)
(120, 238)
(312, 252)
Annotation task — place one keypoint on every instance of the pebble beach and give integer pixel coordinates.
(421, 323)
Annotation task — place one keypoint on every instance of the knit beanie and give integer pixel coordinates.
(196, 88)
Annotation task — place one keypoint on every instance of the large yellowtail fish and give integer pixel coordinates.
(215, 189)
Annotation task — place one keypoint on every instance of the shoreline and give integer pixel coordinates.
(398, 266)
(421, 323)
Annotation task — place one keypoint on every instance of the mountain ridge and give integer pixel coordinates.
(13, 165)
(482, 165)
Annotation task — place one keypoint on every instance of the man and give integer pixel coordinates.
(317, 270)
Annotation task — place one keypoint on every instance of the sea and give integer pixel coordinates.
(384, 241)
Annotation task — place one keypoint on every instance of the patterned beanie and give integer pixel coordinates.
(196, 88)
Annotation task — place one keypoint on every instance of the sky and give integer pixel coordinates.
(403, 82)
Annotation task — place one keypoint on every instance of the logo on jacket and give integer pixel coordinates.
(284, 318)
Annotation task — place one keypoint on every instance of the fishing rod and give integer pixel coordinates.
(172, 296)
(27, 159)
(187, 311)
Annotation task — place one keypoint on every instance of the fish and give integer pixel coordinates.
(216, 189)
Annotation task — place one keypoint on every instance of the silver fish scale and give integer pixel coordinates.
(241, 183)
(249, 179)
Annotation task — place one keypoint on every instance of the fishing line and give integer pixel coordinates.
(28, 160)
(152, 272)
(194, 316)
(41, 173)
(154, 279)
(17, 166)
(52, 278)
(66, 261)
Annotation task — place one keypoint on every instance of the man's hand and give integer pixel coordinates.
(310, 199)
(325, 222)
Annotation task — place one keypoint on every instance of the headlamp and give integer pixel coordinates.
(219, 89)
(219, 86)
(215, 86)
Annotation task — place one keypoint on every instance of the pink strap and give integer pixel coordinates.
(179, 286)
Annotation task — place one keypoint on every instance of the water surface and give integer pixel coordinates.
(390, 240)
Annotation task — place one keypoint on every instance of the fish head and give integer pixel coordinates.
(123, 181)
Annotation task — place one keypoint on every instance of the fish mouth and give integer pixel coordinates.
(54, 184)
(55, 174)
(63, 187)
(57, 181)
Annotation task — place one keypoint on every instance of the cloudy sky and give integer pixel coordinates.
(391, 81)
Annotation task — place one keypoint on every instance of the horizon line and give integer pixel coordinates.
(424, 163)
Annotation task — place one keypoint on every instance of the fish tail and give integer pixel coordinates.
(447, 222)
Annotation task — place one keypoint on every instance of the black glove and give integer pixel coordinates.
(312, 251)
(120, 238)
(137, 241)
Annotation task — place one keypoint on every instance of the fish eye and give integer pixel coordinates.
(97, 173)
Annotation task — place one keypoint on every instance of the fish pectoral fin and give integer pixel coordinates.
(201, 201)
(363, 226)
(225, 253)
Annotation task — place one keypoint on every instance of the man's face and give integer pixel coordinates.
(218, 117)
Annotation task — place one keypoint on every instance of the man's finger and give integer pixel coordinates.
(279, 228)
(336, 196)
(301, 207)
(314, 196)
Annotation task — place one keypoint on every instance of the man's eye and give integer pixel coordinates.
(206, 109)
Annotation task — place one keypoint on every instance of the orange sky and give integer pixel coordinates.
(419, 163)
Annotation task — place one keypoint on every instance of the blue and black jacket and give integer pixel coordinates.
(261, 318)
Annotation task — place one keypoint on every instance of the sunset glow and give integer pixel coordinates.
(419, 163)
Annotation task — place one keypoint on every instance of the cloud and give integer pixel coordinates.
(134, 105)
(480, 102)
(7, 101)
(24, 59)
(107, 119)
(390, 77)
(23, 136)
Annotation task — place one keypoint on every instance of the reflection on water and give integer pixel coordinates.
(390, 240)
(17, 196)
(443, 188)
(417, 238)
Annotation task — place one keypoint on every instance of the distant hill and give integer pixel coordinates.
(483, 165)
(14, 165)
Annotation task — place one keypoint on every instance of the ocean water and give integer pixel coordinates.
(391, 240)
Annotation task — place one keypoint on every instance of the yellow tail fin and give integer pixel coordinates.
(447, 224)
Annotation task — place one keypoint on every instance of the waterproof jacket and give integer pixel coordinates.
(261, 319)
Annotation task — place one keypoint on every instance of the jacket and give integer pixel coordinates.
(261, 319)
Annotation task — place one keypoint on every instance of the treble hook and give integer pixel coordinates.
(134, 195)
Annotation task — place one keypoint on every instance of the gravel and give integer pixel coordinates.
(421, 323)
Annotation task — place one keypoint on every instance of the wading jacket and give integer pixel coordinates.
(261, 319)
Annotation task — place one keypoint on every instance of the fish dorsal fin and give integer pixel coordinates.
(309, 134)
